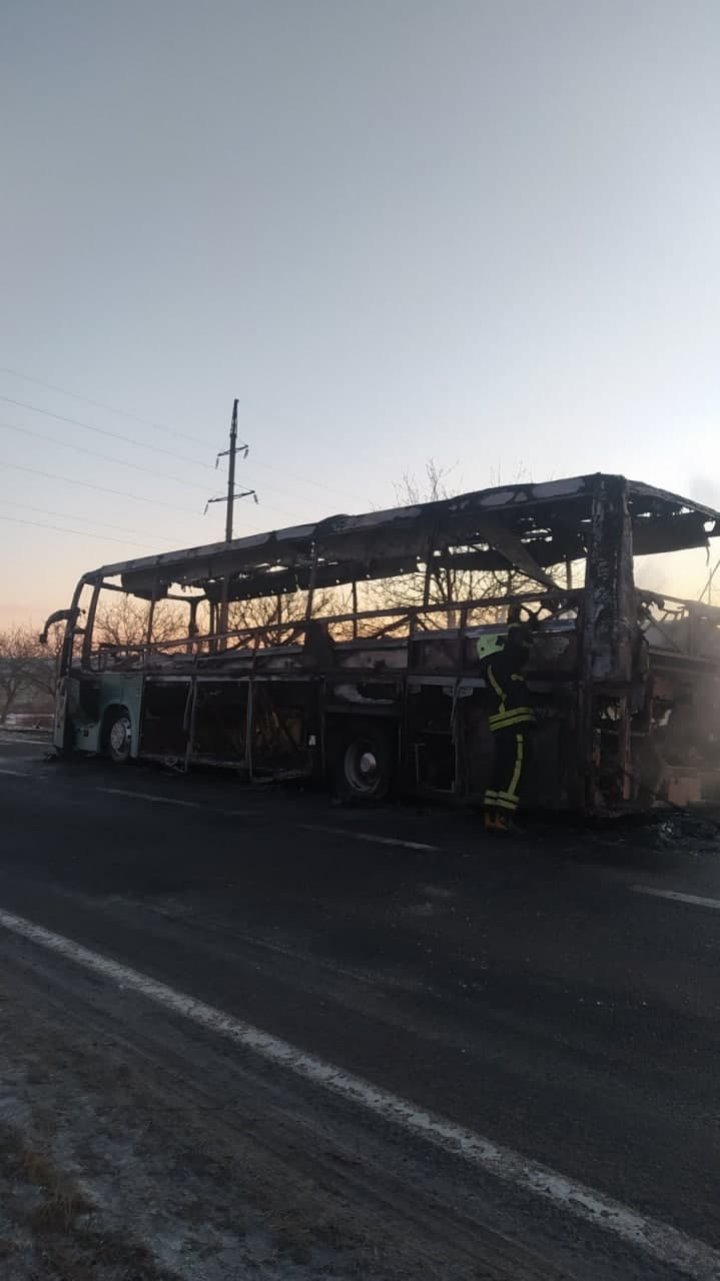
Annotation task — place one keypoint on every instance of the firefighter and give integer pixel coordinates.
(510, 719)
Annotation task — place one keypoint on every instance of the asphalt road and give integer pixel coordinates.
(403, 1047)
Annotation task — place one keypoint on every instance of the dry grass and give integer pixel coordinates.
(63, 1201)
(57, 1237)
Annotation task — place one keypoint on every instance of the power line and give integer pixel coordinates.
(147, 422)
(121, 462)
(103, 431)
(106, 524)
(303, 480)
(99, 404)
(103, 489)
(81, 533)
(278, 489)
(95, 453)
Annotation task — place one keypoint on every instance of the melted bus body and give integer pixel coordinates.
(386, 693)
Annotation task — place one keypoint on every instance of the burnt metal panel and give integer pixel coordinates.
(524, 525)
(609, 603)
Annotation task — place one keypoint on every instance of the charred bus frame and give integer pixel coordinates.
(370, 699)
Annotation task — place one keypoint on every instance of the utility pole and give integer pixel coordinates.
(231, 475)
(231, 454)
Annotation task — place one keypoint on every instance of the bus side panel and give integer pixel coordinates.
(90, 698)
(285, 726)
(283, 717)
(61, 701)
(165, 717)
(220, 721)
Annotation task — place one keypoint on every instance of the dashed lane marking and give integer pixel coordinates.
(673, 1248)
(697, 900)
(368, 836)
(172, 800)
(16, 773)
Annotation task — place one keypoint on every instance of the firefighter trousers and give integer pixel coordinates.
(509, 764)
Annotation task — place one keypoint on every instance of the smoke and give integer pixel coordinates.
(706, 491)
(650, 575)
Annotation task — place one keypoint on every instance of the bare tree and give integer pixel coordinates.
(18, 659)
(275, 617)
(439, 584)
(123, 621)
(44, 671)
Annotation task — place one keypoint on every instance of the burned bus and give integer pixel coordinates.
(371, 682)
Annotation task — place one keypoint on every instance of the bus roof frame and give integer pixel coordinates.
(523, 526)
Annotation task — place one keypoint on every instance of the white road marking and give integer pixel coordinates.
(698, 900)
(150, 796)
(16, 773)
(367, 836)
(172, 800)
(42, 742)
(675, 1249)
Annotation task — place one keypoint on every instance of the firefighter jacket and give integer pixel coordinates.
(510, 706)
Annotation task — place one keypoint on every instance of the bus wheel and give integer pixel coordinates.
(118, 736)
(364, 767)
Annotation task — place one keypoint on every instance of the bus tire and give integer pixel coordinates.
(363, 766)
(117, 735)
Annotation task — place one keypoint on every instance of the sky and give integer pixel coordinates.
(483, 233)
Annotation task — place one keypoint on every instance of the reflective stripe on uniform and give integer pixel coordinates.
(512, 711)
(516, 716)
(497, 688)
(506, 805)
(512, 790)
(507, 798)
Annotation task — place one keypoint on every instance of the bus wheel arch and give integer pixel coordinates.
(117, 734)
(363, 764)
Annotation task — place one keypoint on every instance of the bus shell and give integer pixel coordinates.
(387, 694)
